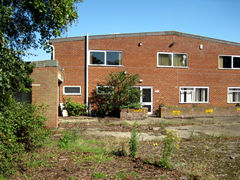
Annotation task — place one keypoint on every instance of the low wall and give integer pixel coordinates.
(171, 112)
(134, 114)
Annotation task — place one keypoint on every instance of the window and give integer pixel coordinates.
(104, 90)
(194, 94)
(107, 58)
(229, 62)
(234, 95)
(71, 90)
(172, 59)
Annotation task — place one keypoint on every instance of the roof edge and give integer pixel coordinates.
(160, 33)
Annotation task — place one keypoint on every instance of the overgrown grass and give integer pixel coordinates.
(196, 158)
(71, 141)
(99, 175)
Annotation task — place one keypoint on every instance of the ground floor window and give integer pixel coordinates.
(104, 90)
(234, 95)
(194, 94)
(71, 90)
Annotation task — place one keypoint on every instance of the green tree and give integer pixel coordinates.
(24, 24)
(27, 24)
(117, 93)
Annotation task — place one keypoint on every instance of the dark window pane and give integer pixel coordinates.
(114, 58)
(146, 95)
(72, 90)
(96, 57)
(236, 62)
(148, 106)
(201, 94)
(227, 61)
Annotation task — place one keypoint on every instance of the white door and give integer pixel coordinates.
(146, 99)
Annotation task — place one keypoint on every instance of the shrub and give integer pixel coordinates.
(75, 108)
(121, 94)
(21, 130)
(133, 143)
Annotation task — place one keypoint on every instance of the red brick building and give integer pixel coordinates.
(176, 69)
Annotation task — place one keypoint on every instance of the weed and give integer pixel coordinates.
(98, 158)
(192, 134)
(120, 151)
(133, 143)
(133, 173)
(66, 139)
(37, 163)
(99, 175)
(161, 177)
(2, 177)
(121, 175)
(73, 178)
(170, 145)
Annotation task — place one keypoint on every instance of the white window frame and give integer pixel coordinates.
(103, 93)
(232, 56)
(194, 94)
(70, 94)
(230, 99)
(172, 66)
(105, 57)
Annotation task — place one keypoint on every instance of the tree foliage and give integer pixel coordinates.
(120, 94)
(22, 20)
(14, 75)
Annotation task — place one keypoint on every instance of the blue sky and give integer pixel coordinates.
(212, 18)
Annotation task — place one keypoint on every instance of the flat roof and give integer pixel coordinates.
(161, 33)
(47, 63)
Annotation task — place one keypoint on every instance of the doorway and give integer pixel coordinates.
(146, 99)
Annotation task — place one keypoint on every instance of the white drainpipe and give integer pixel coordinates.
(52, 52)
(86, 71)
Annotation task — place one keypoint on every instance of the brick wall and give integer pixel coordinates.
(45, 91)
(202, 65)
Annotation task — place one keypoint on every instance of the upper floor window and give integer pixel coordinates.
(71, 90)
(229, 62)
(106, 58)
(234, 95)
(194, 94)
(165, 59)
